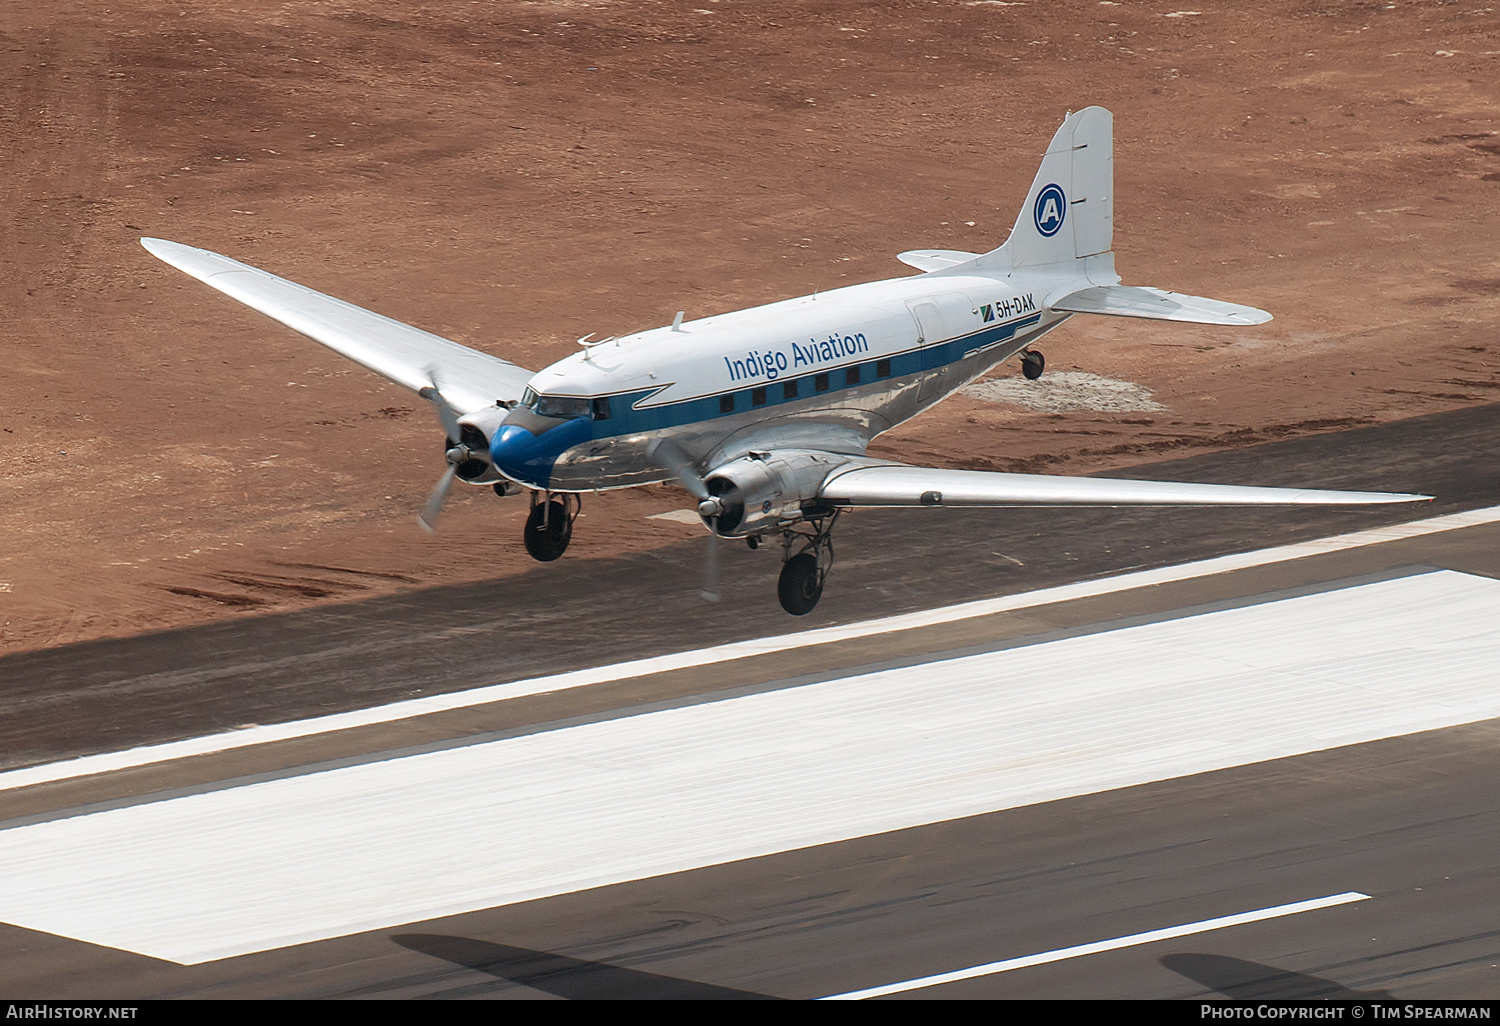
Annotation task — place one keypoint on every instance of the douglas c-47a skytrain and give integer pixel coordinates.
(765, 414)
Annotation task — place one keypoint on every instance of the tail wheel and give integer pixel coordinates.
(1032, 364)
(800, 585)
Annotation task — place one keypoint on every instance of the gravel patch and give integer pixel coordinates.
(1056, 392)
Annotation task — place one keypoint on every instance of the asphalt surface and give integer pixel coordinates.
(109, 695)
(1413, 821)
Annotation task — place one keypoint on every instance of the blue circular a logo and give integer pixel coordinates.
(1051, 207)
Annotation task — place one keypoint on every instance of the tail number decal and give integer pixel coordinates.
(1009, 307)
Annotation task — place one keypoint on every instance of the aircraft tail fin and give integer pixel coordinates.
(1066, 230)
(1068, 219)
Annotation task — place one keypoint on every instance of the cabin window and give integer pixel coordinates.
(601, 409)
(726, 403)
(882, 368)
(820, 382)
(789, 390)
(758, 396)
(851, 376)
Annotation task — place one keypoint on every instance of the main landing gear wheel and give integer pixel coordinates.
(549, 528)
(801, 584)
(802, 575)
(1032, 364)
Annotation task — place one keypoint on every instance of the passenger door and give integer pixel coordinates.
(938, 318)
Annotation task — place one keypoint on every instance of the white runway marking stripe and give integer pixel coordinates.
(1134, 939)
(228, 740)
(387, 843)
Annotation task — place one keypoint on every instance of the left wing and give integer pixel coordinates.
(899, 485)
(469, 380)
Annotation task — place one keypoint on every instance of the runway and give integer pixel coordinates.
(1254, 720)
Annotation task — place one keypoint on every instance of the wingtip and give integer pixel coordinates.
(1249, 315)
(1380, 497)
(158, 247)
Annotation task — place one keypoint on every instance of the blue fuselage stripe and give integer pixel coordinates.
(626, 419)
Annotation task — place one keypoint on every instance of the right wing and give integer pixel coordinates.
(896, 484)
(469, 380)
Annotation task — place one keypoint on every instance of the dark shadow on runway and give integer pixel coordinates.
(565, 977)
(1236, 978)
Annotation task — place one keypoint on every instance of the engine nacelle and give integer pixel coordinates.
(475, 431)
(762, 491)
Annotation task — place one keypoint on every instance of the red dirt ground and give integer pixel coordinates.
(515, 175)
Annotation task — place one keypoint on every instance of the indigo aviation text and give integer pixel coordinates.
(773, 362)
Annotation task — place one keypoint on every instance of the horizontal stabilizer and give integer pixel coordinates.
(470, 380)
(934, 259)
(1156, 305)
(898, 485)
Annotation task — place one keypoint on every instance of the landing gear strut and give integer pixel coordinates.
(1032, 363)
(549, 528)
(808, 557)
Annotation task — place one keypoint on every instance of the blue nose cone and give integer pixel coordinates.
(529, 458)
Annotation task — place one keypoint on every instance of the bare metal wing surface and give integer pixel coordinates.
(900, 485)
(470, 380)
(1156, 305)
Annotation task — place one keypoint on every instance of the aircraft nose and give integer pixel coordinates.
(529, 458)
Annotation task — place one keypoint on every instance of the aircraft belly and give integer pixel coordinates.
(841, 421)
(620, 462)
(926, 389)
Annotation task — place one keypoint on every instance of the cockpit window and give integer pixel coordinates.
(566, 407)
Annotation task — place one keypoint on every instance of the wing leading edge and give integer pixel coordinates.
(900, 485)
(470, 380)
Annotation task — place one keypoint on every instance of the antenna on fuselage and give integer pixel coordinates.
(587, 345)
(677, 321)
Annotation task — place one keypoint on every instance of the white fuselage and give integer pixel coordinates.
(829, 371)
